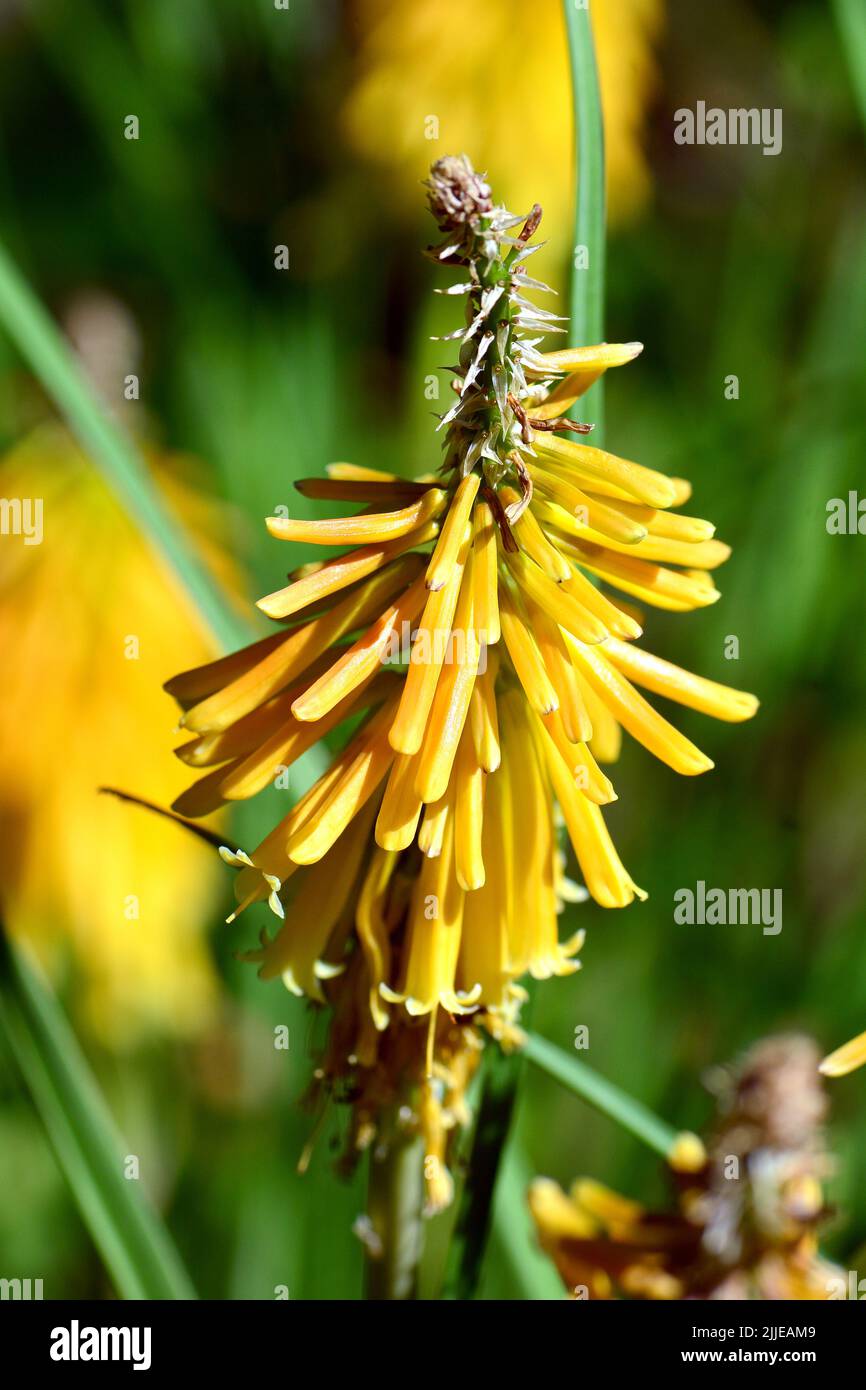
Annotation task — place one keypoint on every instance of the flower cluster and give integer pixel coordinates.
(747, 1214)
(422, 875)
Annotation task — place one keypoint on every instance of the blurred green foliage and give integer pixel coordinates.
(746, 266)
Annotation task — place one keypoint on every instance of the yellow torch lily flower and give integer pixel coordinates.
(485, 672)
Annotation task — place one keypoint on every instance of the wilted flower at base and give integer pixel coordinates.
(746, 1220)
(423, 872)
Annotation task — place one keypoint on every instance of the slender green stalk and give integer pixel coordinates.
(134, 1244)
(44, 348)
(620, 1107)
(394, 1203)
(502, 1072)
(588, 252)
(851, 23)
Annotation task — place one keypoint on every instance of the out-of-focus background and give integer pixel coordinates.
(310, 127)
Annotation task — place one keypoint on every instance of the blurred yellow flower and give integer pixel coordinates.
(745, 1223)
(91, 623)
(441, 75)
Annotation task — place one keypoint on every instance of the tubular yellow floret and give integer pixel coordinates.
(584, 366)
(451, 700)
(363, 659)
(642, 484)
(469, 786)
(614, 618)
(559, 667)
(373, 930)
(425, 662)
(485, 574)
(588, 776)
(451, 538)
(401, 805)
(631, 709)
(359, 530)
(674, 590)
(557, 600)
(298, 953)
(525, 656)
(602, 869)
(433, 938)
(663, 678)
(295, 653)
(333, 575)
(372, 758)
(536, 544)
(483, 720)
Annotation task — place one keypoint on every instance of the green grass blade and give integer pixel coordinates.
(44, 348)
(851, 23)
(576, 1076)
(586, 305)
(134, 1244)
(514, 1236)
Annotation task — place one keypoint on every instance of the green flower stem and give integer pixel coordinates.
(500, 1077)
(44, 348)
(586, 306)
(395, 1198)
(620, 1107)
